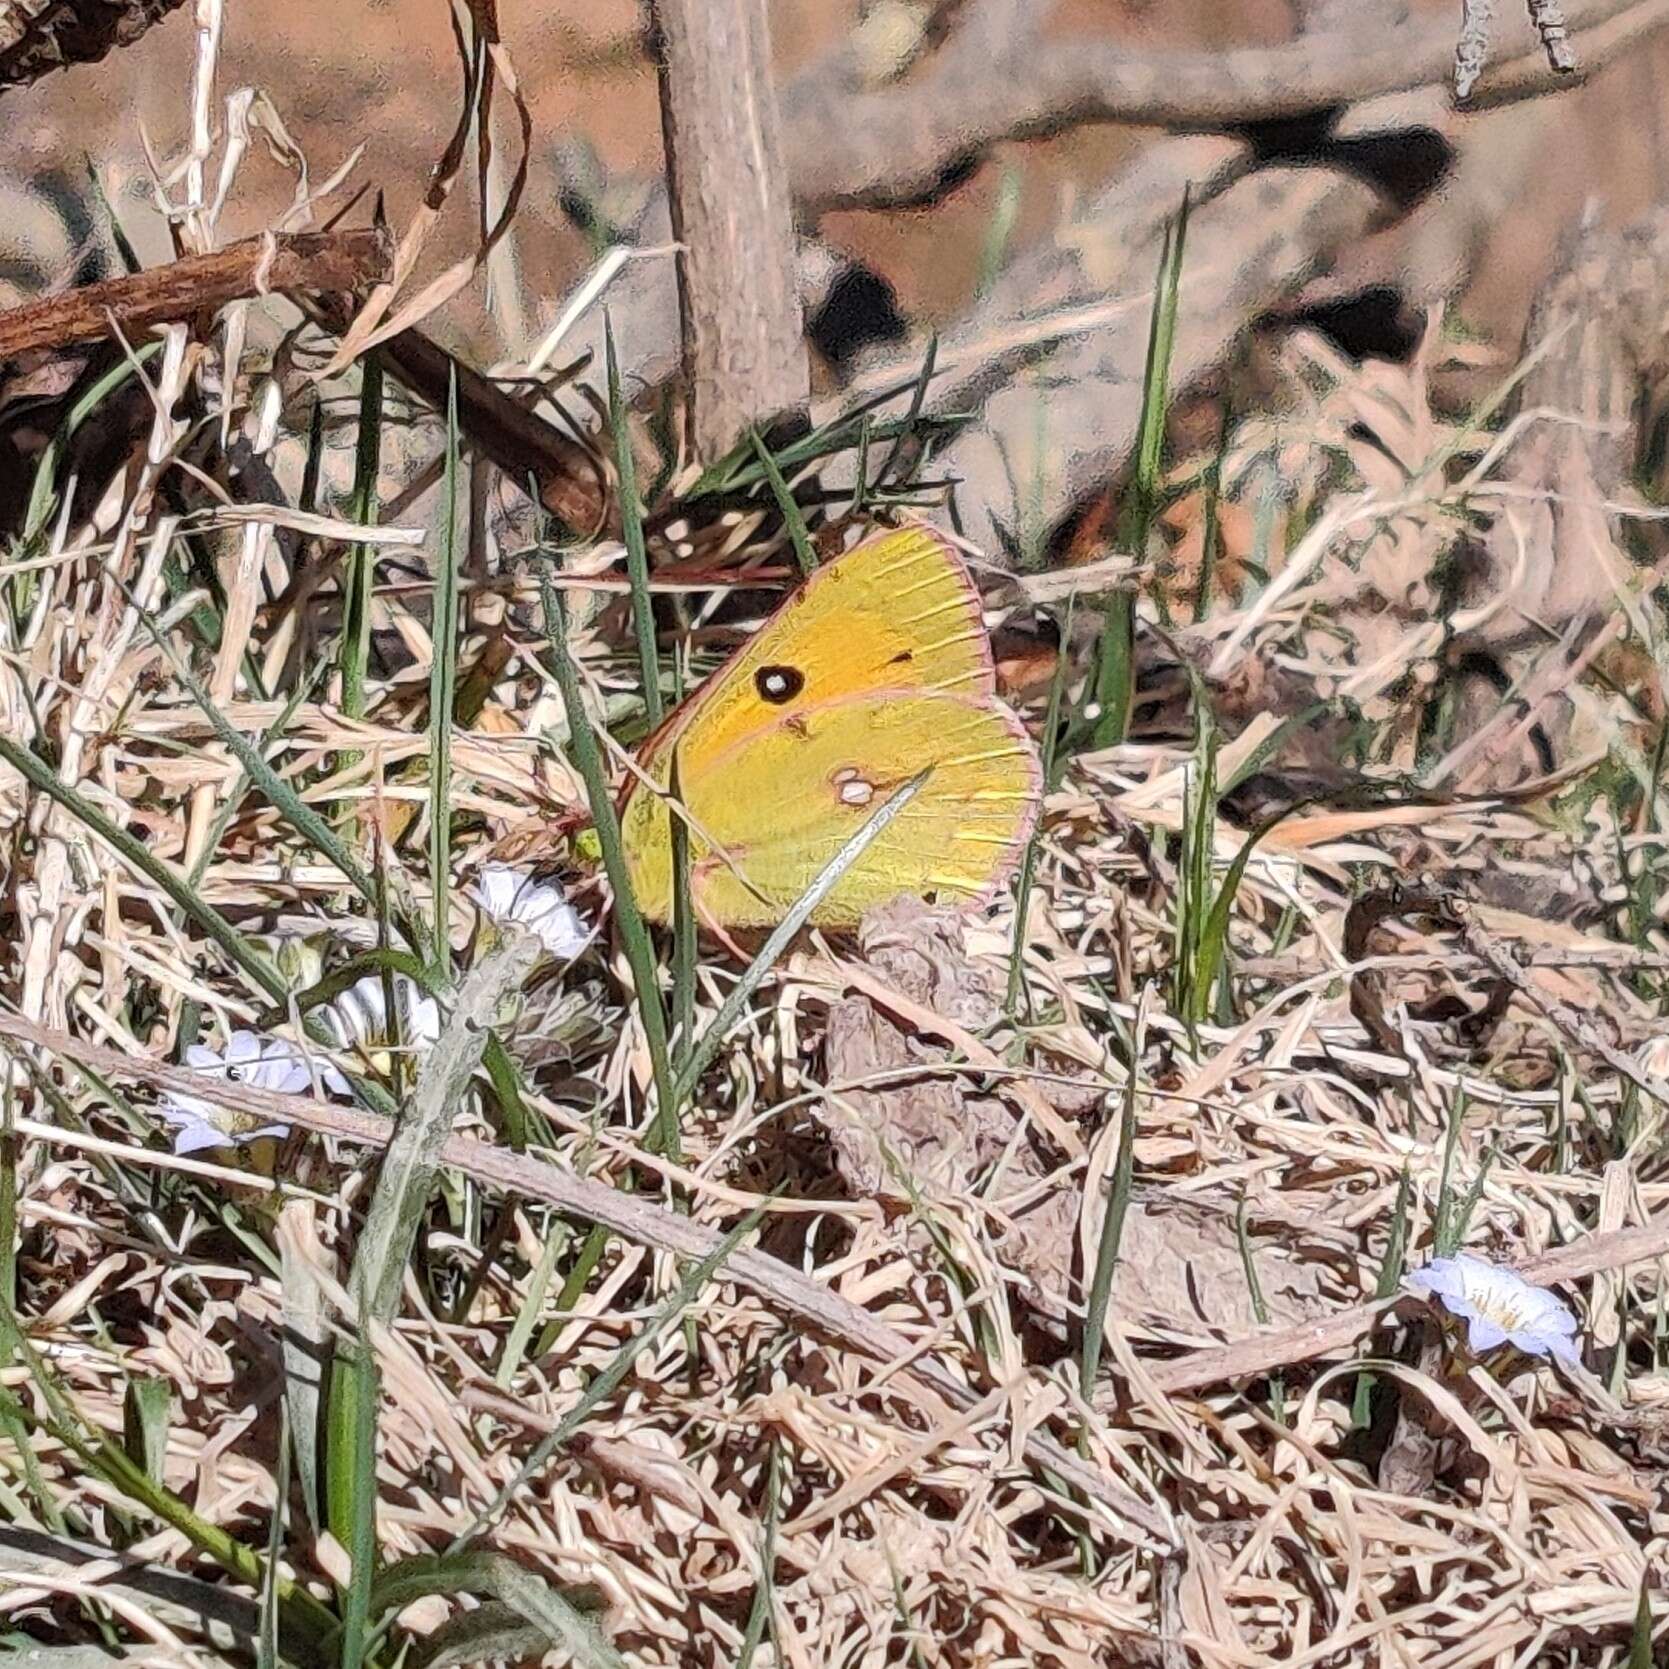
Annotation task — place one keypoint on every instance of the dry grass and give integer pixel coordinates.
(917, 1145)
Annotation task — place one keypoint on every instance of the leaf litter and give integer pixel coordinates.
(916, 1144)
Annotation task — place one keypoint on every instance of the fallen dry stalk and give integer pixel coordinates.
(1248, 1358)
(835, 1317)
(637, 1219)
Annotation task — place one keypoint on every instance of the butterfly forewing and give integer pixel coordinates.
(895, 612)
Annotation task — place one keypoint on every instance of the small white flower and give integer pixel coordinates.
(268, 1063)
(360, 1015)
(512, 895)
(1498, 1306)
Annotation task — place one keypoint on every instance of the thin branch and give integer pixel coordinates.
(568, 478)
(898, 144)
(290, 263)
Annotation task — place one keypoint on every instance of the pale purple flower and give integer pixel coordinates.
(269, 1063)
(359, 1016)
(512, 895)
(1498, 1306)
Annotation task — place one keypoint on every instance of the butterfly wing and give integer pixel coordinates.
(877, 667)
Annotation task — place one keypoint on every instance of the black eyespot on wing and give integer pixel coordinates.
(902, 658)
(777, 684)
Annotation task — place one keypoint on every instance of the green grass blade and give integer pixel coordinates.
(1445, 1237)
(307, 499)
(1462, 1216)
(610, 1379)
(210, 920)
(706, 1046)
(1396, 1239)
(43, 490)
(351, 1485)
(232, 799)
(860, 491)
(1028, 863)
(1211, 534)
(146, 1406)
(561, 1616)
(759, 1613)
(515, 1118)
(1112, 1223)
(1640, 1654)
(267, 1654)
(1156, 375)
(683, 920)
(108, 1461)
(907, 429)
(443, 684)
(405, 1178)
(787, 507)
(358, 580)
(739, 471)
(557, 1237)
(279, 794)
(491, 1632)
(999, 230)
(640, 952)
(1195, 911)
(1214, 938)
(125, 252)
(1260, 1305)
(631, 530)
(405, 1181)
(1115, 679)
(8, 1188)
(303, 1346)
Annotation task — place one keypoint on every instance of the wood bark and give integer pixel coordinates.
(743, 353)
(38, 36)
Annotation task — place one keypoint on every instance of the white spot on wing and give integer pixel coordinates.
(851, 788)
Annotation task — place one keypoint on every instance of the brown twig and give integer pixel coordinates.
(1000, 77)
(567, 477)
(569, 480)
(291, 263)
(636, 1218)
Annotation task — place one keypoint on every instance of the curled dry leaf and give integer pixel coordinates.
(937, 1127)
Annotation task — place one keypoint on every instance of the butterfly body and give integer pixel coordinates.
(877, 667)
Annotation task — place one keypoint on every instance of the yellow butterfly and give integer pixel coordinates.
(877, 667)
